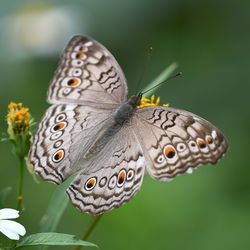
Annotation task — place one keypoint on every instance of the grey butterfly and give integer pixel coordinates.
(93, 129)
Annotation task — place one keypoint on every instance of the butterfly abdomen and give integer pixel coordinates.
(123, 113)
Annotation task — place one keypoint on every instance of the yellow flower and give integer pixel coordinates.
(151, 102)
(19, 127)
(19, 119)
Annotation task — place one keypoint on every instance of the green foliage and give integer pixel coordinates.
(51, 239)
(206, 210)
(166, 73)
(56, 207)
(3, 195)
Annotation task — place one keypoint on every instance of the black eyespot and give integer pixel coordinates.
(201, 143)
(121, 177)
(58, 156)
(209, 139)
(60, 117)
(90, 183)
(130, 174)
(58, 126)
(169, 152)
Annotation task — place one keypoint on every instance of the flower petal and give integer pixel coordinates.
(9, 234)
(8, 213)
(12, 229)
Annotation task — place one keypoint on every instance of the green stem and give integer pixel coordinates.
(20, 184)
(89, 229)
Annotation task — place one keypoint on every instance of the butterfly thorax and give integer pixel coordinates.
(126, 110)
(121, 117)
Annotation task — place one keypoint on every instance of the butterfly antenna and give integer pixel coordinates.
(169, 78)
(150, 50)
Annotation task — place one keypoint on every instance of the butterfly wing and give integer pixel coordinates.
(88, 74)
(63, 136)
(176, 141)
(115, 181)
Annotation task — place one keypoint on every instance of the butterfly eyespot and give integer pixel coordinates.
(170, 152)
(160, 159)
(90, 183)
(56, 135)
(66, 91)
(73, 82)
(209, 139)
(112, 182)
(103, 181)
(83, 49)
(81, 56)
(77, 72)
(201, 143)
(121, 178)
(60, 117)
(77, 63)
(192, 144)
(57, 144)
(181, 146)
(58, 156)
(58, 126)
(130, 174)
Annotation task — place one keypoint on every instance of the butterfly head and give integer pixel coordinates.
(135, 100)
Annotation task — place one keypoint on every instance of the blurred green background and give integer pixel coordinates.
(210, 39)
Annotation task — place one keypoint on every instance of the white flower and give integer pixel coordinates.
(11, 229)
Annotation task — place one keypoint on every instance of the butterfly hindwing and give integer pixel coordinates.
(176, 141)
(63, 136)
(119, 176)
(88, 74)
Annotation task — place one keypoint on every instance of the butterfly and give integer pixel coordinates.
(111, 142)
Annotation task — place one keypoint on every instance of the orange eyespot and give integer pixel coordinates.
(121, 177)
(80, 56)
(201, 143)
(169, 152)
(90, 184)
(209, 139)
(58, 126)
(60, 117)
(73, 82)
(58, 156)
(83, 49)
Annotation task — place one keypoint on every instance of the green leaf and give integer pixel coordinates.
(3, 194)
(56, 207)
(51, 239)
(163, 76)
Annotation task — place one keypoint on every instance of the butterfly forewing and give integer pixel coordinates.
(63, 137)
(88, 74)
